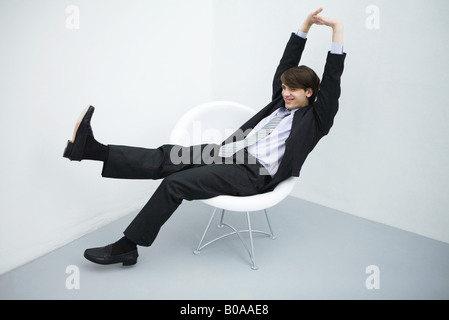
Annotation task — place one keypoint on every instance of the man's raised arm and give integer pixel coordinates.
(293, 51)
(326, 104)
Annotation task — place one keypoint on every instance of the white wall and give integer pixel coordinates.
(386, 157)
(140, 63)
(143, 63)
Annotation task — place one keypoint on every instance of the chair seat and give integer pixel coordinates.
(256, 202)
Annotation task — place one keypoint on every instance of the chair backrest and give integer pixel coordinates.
(210, 122)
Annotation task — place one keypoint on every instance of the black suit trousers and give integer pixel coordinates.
(188, 173)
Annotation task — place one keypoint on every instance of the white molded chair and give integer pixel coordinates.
(213, 122)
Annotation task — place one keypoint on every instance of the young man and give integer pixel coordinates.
(302, 111)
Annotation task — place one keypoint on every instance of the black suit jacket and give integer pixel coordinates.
(310, 123)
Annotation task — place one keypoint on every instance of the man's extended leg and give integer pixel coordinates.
(132, 162)
(124, 162)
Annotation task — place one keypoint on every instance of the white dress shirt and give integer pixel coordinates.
(270, 150)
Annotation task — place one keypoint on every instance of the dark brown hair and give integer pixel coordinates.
(302, 77)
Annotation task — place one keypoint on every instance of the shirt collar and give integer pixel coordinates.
(284, 109)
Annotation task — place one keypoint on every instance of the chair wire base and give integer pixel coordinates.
(250, 231)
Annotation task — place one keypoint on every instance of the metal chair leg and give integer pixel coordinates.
(197, 251)
(250, 231)
(272, 236)
(220, 225)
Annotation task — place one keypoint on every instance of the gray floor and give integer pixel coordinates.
(319, 253)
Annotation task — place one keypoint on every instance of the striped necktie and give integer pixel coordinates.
(228, 150)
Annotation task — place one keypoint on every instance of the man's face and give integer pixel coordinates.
(296, 98)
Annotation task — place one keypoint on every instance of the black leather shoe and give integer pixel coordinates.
(75, 148)
(103, 256)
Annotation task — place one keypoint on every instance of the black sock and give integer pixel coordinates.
(123, 245)
(94, 150)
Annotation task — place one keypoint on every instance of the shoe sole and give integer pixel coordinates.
(78, 123)
(74, 148)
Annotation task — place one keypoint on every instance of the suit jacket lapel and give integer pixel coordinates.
(251, 123)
